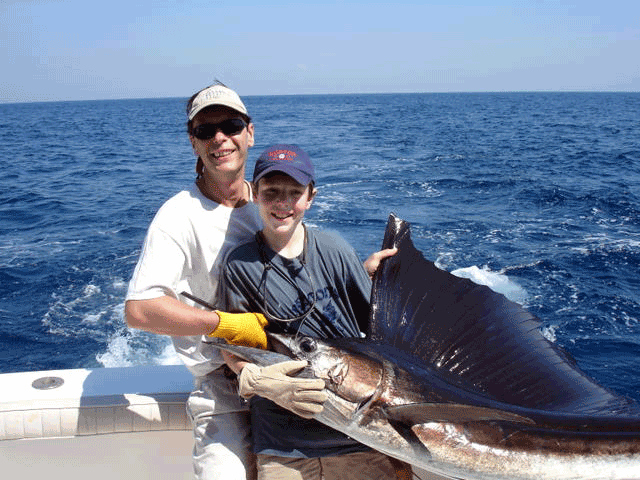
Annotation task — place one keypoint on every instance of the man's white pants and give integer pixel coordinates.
(221, 430)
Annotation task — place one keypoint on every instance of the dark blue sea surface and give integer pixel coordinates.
(536, 194)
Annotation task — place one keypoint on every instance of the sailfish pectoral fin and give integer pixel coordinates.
(406, 432)
(417, 413)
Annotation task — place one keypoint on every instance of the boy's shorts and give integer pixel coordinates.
(370, 465)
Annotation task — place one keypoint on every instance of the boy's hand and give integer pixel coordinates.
(242, 329)
(372, 263)
(302, 396)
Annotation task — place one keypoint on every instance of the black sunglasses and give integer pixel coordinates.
(229, 127)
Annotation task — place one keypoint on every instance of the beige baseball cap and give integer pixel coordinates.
(217, 95)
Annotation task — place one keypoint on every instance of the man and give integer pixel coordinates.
(183, 252)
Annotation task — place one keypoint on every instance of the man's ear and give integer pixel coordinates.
(250, 134)
(254, 191)
(199, 167)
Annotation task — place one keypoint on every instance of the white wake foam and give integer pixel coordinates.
(498, 282)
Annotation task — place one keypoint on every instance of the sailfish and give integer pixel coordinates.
(456, 379)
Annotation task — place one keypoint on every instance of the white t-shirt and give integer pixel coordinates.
(184, 250)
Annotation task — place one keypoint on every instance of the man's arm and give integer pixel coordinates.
(168, 316)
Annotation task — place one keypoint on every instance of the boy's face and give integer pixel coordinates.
(282, 202)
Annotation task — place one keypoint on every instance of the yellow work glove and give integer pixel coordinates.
(302, 396)
(242, 329)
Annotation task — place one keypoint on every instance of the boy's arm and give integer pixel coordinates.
(236, 364)
(302, 396)
(372, 263)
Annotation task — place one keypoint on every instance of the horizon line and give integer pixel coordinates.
(70, 100)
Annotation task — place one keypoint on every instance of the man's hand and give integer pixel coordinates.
(372, 263)
(302, 396)
(242, 329)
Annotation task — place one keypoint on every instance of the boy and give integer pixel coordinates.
(308, 282)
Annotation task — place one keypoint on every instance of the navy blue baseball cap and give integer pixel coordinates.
(288, 159)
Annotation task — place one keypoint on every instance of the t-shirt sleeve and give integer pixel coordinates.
(159, 267)
(349, 268)
(358, 288)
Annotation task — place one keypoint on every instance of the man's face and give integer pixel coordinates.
(222, 153)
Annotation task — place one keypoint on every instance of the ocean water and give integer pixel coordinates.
(535, 194)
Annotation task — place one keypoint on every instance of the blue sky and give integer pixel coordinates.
(76, 50)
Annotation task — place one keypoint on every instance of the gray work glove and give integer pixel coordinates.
(302, 396)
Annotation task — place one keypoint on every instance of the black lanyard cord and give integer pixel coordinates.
(268, 266)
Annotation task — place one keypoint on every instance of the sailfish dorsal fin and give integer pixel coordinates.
(473, 335)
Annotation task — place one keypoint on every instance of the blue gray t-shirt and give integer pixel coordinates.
(329, 281)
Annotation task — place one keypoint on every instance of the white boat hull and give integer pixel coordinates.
(125, 423)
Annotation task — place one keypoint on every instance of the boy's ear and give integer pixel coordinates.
(312, 195)
(254, 190)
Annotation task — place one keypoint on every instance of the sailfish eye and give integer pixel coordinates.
(308, 345)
